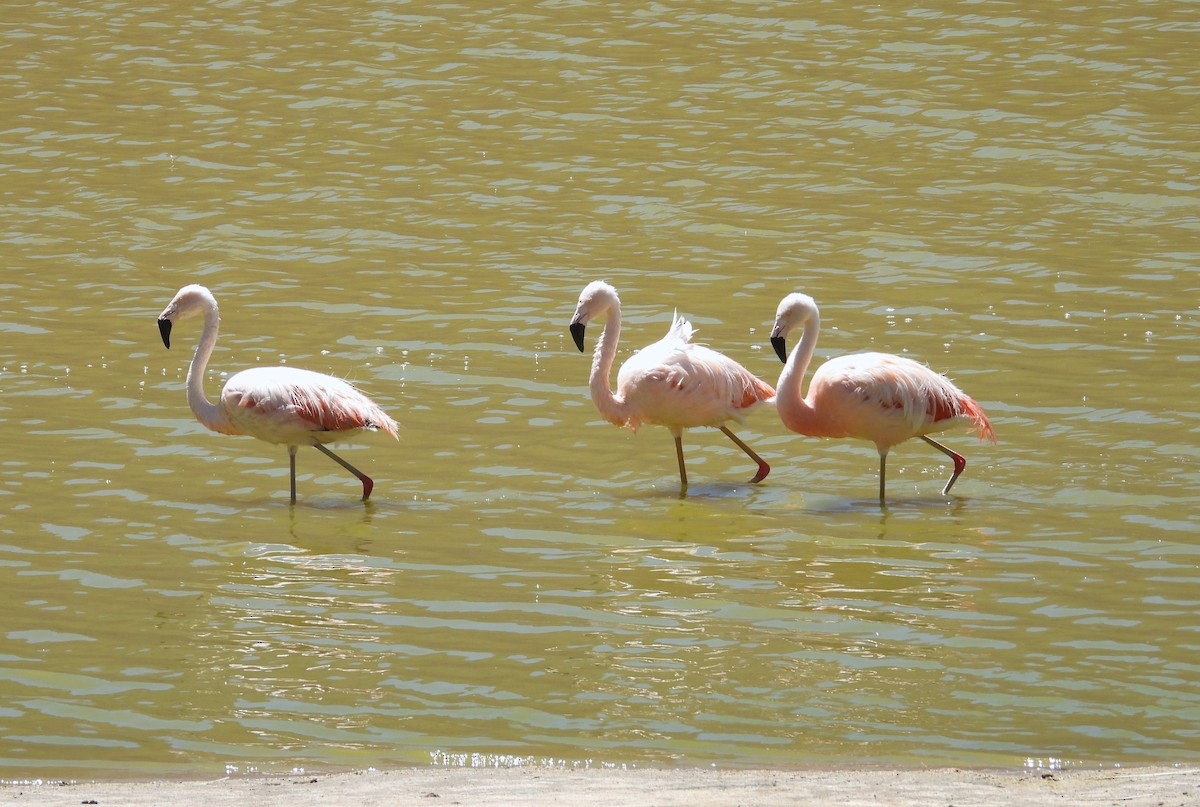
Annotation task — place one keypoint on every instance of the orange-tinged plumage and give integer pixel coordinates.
(879, 397)
(673, 382)
(281, 405)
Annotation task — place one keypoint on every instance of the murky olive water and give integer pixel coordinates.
(412, 195)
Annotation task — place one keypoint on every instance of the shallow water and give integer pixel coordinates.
(411, 196)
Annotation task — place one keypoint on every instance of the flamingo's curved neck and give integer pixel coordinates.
(208, 413)
(795, 412)
(609, 405)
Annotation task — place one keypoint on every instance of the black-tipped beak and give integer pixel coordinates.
(577, 329)
(164, 327)
(780, 345)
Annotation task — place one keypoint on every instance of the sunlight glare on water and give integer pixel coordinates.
(412, 196)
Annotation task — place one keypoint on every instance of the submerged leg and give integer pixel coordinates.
(292, 463)
(882, 474)
(960, 462)
(682, 470)
(367, 484)
(763, 468)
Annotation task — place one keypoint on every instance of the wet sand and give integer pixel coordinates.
(1130, 787)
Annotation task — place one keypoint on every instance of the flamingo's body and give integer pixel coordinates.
(671, 383)
(281, 405)
(878, 397)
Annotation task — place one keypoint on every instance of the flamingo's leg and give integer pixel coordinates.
(960, 462)
(367, 484)
(682, 470)
(763, 468)
(882, 476)
(292, 463)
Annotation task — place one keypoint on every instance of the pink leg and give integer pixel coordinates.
(960, 462)
(763, 468)
(367, 484)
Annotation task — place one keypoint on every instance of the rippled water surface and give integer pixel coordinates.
(412, 195)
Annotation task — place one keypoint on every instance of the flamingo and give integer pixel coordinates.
(671, 383)
(281, 405)
(878, 397)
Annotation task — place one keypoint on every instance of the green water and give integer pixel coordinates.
(411, 196)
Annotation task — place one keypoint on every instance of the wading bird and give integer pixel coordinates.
(878, 397)
(671, 383)
(281, 405)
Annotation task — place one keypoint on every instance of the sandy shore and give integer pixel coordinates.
(1132, 787)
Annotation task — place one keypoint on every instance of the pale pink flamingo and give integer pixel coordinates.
(878, 397)
(281, 405)
(671, 383)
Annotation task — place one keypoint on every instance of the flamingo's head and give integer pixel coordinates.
(795, 311)
(595, 300)
(188, 301)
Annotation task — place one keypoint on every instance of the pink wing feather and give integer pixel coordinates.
(289, 405)
(678, 384)
(894, 387)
